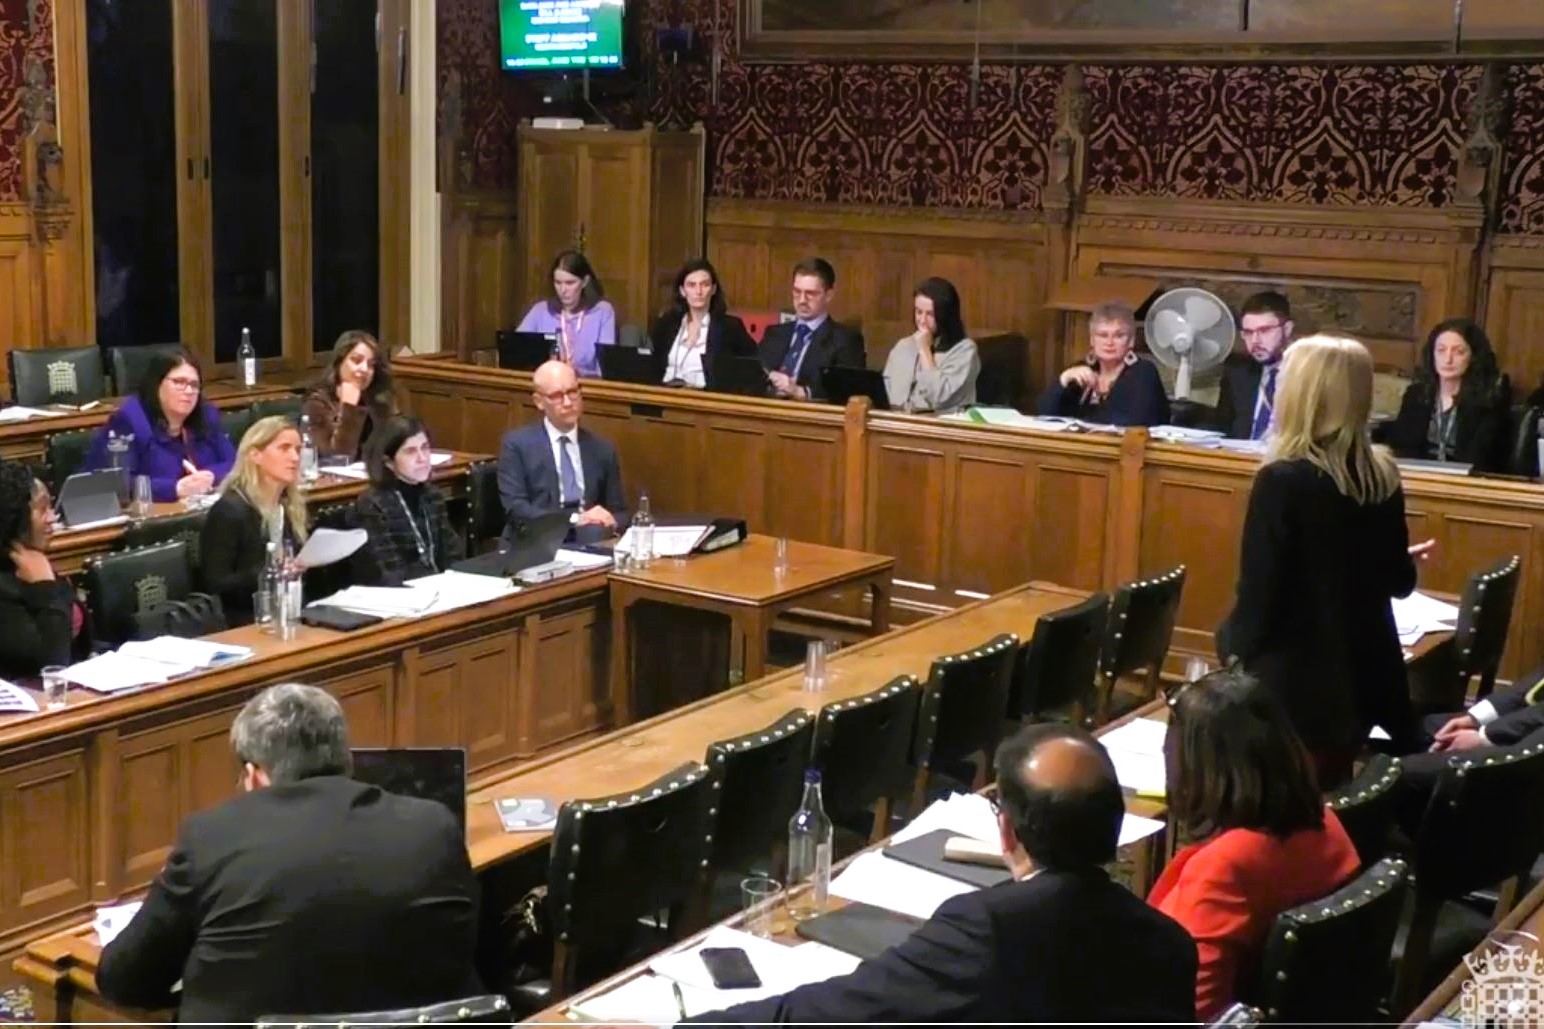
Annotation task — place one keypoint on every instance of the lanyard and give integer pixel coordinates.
(425, 551)
(567, 337)
(682, 349)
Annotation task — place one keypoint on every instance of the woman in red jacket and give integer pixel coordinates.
(1241, 782)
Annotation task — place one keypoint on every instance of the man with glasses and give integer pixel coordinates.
(795, 353)
(554, 464)
(1248, 392)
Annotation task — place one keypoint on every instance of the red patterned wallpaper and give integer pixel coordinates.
(1522, 210)
(18, 43)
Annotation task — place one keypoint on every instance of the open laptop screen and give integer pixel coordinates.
(432, 773)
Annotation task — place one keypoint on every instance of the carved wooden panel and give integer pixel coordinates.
(988, 543)
(464, 696)
(906, 509)
(803, 485)
(1196, 519)
(660, 451)
(44, 829)
(1069, 511)
(566, 693)
(18, 294)
(367, 701)
(1514, 313)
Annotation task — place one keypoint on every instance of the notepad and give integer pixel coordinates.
(184, 654)
(883, 882)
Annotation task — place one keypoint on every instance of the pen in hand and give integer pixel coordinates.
(680, 1001)
(189, 467)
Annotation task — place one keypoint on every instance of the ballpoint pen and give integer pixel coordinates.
(680, 1001)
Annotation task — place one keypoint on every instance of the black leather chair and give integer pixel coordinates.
(962, 712)
(235, 422)
(487, 519)
(1522, 453)
(199, 615)
(130, 363)
(1440, 679)
(65, 454)
(615, 860)
(187, 527)
(491, 1008)
(1365, 806)
(1481, 830)
(124, 583)
(1142, 616)
(758, 782)
(288, 407)
(1327, 960)
(861, 748)
(1054, 673)
(56, 375)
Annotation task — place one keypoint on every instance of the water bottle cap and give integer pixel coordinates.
(812, 777)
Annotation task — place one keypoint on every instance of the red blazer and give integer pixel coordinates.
(1228, 890)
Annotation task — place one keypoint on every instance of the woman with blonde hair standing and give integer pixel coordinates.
(1324, 548)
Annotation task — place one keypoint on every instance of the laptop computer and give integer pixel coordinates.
(626, 364)
(841, 384)
(429, 773)
(90, 497)
(742, 375)
(524, 351)
(537, 544)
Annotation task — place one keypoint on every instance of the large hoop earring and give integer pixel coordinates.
(1131, 358)
(1090, 360)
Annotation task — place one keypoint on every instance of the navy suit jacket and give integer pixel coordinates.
(831, 344)
(1058, 947)
(1236, 396)
(528, 477)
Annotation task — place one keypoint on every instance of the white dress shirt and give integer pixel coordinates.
(556, 438)
(685, 361)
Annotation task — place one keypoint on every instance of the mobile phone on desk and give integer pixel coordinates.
(730, 968)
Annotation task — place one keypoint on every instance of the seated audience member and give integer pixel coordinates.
(554, 464)
(410, 531)
(259, 503)
(1040, 948)
(1113, 385)
(1456, 408)
(1248, 388)
(577, 313)
(177, 440)
(38, 617)
(795, 353)
(936, 367)
(308, 892)
(355, 396)
(1241, 783)
(688, 338)
(1507, 718)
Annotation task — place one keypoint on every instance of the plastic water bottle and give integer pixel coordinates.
(643, 534)
(1541, 450)
(247, 356)
(809, 851)
(309, 467)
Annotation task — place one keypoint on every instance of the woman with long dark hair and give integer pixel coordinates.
(1456, 407)
(355, 395)
(697, 327)
(935, 368)
(404, 513)
(38, 620)
(577, 313)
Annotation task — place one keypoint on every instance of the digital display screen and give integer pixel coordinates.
(547, 35)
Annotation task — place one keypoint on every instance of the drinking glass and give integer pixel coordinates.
(141, 500)
(815, 665)
(55, 686)
(757, 893)
(780, 556)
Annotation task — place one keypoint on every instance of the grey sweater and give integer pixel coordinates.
(950, 386)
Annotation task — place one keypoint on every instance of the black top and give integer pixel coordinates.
(1475, 431)
(232, 548)
(1237, 393)
(394, 552)
(831, 344)
(322, 895)
(1040, 950)
(1312, 618)
(1136, 398)
(726, 335)
(35, 625)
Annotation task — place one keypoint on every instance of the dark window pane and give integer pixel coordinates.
(244, 131)
(345, 235)
(133, 170)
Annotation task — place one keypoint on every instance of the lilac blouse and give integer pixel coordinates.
(583, 331)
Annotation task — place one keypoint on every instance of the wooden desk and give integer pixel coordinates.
(742, 584)
(28, 440)
(970, 510)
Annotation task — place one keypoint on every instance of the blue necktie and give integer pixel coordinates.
(1262, 418)
(801, 339)
(570, 484)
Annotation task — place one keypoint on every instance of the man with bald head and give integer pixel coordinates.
(1060, 942)
(554, 464)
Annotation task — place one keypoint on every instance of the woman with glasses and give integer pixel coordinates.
(1241, 785)
(1112, 385)
(1324, 548)
(174, 434)
(39, 619)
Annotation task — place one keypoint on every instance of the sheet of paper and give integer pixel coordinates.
(181, 652)
(439, 457)
(100, 523)
(112, 919)
(1185, 434)
(386, 601)
(835, 962)
(1419, 614)
(1143, 773)
(112, 672)
(583, 560)
(18, 413)
(329, 546)
(1139, 736)
(14, 698)
(669, 540)
(780, 968)
(452, 589)
(894, 885)
(1135, 827)
(964, 814)
(648, 999)
(1242, 446)
(356, 470)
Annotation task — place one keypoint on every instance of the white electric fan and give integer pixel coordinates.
(1189, 330)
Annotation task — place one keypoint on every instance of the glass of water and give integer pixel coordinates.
(780, 556)
(55, 687)
(815, 665)
(142, 499)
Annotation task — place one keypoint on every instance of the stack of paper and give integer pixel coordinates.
(17, 413)
(453, 589)
(112, 919)
(884, 882)
(1136, 749)
(583, 560)
(14, 698)
(964, 814)
(1242, 446)
(1184, 434)
(184, 654)
(649, 999)
(384, 601)
(1418, 614)
(780, 968)
(113, 672)
(669, 540)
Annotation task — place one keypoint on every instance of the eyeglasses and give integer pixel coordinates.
(1263, 330)
(186, 385)
(561, 395)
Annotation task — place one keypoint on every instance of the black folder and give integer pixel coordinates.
(861, 930)
(928, 852)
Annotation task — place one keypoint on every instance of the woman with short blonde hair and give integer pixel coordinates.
(1324, 548)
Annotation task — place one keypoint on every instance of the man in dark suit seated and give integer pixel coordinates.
(1249, 383)
(1059, 943)
(795, 353)
(556, 464)
(1507, 718)
(308, 893)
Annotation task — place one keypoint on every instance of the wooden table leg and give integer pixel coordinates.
(754, 626)
(621, 656)
(879, 611)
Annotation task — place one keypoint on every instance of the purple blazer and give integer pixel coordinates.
(157, 454)
(598, 329)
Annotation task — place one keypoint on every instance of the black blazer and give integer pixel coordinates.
(1236, 396)
(232, 548)
(36, 628)
(1137, 398)
(528, 476)
(831, 344)
(726, 335)
(1481, 427)
(1041, 950)
(390, 556)
(1312, 619)
(316, 896)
